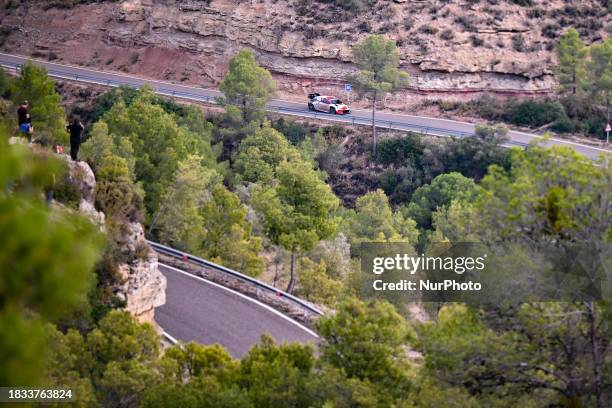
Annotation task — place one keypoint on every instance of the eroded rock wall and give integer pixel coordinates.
(450, 48)
(142, 286)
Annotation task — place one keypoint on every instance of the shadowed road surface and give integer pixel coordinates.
(428, 125)
(201, 311)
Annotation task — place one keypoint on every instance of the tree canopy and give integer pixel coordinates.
(47, 261)
(48, 117)
(260, 153)
(374, 220)
(571, 57)
(247, 87)
(297, 212)
(438, 194)
(159, 144)
(378, 61)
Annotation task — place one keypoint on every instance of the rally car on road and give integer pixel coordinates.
(331, 104)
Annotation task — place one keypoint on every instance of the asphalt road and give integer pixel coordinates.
(428, 125)
(205, 312)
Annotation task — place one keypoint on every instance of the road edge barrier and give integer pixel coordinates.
(379, 123)
(292, 306)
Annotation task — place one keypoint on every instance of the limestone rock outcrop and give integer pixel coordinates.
(142, 287)
(450, 48)
(83, 178)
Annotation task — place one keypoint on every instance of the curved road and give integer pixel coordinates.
(205, 312)
(433, 126)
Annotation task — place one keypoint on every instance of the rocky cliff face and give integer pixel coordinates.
(142, 286)
(449, 47)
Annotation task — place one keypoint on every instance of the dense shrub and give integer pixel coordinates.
(413, 161)
(584, 116)
(534, 113)
(564, 125)
(66, 189)
(129, 95)
(116, 195)
(351, 5)
(565, 115)
(400, 150)
(523, 113)
(293, 131)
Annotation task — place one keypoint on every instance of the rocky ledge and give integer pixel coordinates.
(142, 287)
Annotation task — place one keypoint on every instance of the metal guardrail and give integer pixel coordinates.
(381, 123)
(175, 253)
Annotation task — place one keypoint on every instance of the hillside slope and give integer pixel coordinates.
(450, 47)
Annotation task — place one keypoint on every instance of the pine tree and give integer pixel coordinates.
(374, 220)
(600, 73)
(378, 60)
(247, 87)
(179, 219)
(47, 115)
(571, 59)
(259, 154)
(297, 212)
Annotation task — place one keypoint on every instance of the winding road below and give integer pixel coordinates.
(205, 312)
(428, 125)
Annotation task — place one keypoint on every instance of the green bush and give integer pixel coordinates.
(129, 95)
(586, 116)
(408, 23)
(468, 22)
(116, 195)
(476, 41)
(66, 191)
(106, 101)
(293, 131)
(535, 113)
(488, 107)
(523, 113)
(400, 150)
(564, 125)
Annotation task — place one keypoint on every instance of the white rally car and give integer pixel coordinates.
(331, 104)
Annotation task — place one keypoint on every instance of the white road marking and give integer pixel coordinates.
(250, 299)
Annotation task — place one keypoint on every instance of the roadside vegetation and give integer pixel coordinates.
(582, 103)
(269, 198)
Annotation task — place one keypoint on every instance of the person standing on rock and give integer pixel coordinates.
(76, 134)
(24, 120)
